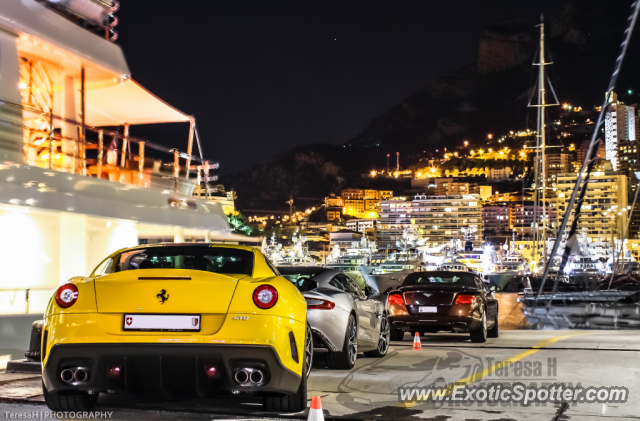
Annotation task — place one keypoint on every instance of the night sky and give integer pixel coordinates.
(264, 76)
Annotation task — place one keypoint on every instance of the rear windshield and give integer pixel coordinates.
(207, 259)
(444, 278)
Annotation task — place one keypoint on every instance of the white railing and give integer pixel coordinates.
(24, 300)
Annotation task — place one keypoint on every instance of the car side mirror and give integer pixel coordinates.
(369, 291)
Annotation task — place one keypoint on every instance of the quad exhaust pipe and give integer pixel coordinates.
(249, 376)
(75, 376)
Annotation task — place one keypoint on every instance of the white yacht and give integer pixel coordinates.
(399, 261)
(72, 188)
(359, 254)
(512, 262)
(624, 264)
(454, 266)
(298, 254)
(272, 250)
(433, 256)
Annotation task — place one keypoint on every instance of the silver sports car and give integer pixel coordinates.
(345, 319)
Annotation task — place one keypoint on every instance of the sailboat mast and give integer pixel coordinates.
(541, 132)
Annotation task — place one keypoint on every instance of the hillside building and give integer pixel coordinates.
(440, 218)
(619, 125)
(604, 211)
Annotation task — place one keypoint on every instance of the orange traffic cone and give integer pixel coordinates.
(315, 412)
(417, 345)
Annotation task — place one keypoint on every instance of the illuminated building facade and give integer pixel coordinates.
(499, 173)
(604, 211)
(495, 218)
(521, 217)
(362, 225)
(619, 125)
(440, 218)
(361, 203)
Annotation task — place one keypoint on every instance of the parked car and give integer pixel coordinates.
(344, 318)
(444, 301)
(185, 318)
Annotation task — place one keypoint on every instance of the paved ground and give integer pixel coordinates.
(369, 391)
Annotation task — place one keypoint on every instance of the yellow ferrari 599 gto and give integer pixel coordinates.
(171, 319)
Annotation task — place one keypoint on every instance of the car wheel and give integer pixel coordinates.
(383, 342)
(480, 334)
(70, 401)
(493, 332)
(346, 359)
(397, 334)
(296, 402)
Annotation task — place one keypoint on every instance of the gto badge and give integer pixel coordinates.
(241, 318)
(426, 294)
(163, 296)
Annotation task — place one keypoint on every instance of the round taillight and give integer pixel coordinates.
(67, 295)
(265, 296)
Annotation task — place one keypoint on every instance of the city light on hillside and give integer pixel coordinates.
(489, 136)
(466, 143)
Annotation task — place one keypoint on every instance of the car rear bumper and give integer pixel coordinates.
(457, 318)
(167, 369)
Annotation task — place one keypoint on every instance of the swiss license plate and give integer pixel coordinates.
(162, 322)
(430, 309)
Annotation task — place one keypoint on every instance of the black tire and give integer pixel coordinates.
(397, 334)
(383, 341)
(480, 334)
(493, 332)
(70, 401)
(346, 359)
(294, 402)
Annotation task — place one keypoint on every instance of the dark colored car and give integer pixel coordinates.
(443, 301)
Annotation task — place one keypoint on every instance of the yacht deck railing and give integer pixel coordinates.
(109, 163)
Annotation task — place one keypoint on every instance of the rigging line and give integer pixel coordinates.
(552, 90)
(206, 179)
(614, 77)
(531, 92)
(534, 89)
(195, 129)
(574, 225)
